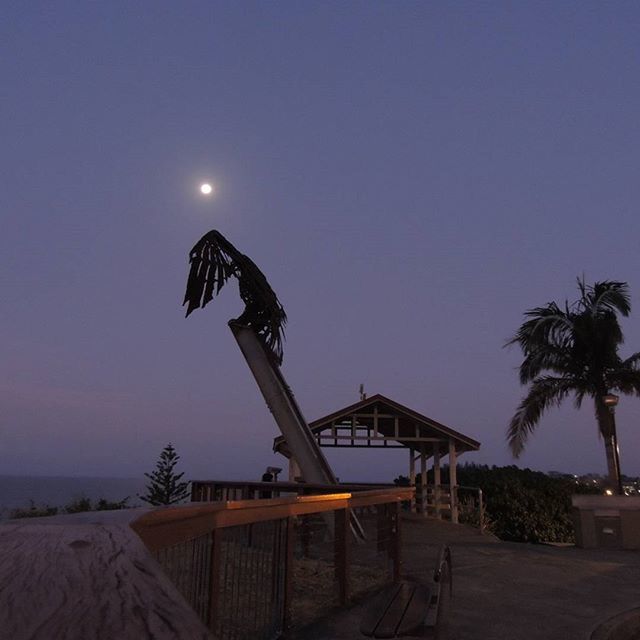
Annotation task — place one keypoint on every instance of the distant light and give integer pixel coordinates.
(206, 189)
(611, 400)
(608, 492)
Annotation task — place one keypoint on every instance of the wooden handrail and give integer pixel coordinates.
(168, 526)
(294, 486)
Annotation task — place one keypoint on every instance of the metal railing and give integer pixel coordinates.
(223, 490)
(471, 506)
(255, 568)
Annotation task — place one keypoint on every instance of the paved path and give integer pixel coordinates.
(513, 591)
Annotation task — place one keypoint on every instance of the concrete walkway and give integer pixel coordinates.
(512, 591)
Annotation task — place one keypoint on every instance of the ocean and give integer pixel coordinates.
(18, 491)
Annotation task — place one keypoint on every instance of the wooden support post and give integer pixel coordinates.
(396, 544)
(423, 480)
(375, 422)
(288, 573)
(412, 477)
(342, 540)
(353, 429)
(214, 579)
(453, 481)
(396, 428)
(437, 481)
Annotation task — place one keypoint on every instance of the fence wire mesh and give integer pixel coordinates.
(371, 558)
(249, 586)
(188, 566)
(257, 580)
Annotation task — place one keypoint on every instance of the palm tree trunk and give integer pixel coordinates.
(607, 424)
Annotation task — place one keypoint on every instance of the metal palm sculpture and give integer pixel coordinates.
(578, 345)
(259, 334)
(213, 261)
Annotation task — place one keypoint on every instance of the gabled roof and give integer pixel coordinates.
(426, 425)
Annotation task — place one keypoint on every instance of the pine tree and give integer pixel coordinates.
(165, 486)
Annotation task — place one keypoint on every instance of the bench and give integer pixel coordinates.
(411, 608)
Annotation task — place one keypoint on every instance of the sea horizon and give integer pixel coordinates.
(19, 491)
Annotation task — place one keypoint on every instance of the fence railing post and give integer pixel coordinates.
(396, 543)
(382, 527)
(214, 580)
(342, 539)
(288, 574)
(481, 510)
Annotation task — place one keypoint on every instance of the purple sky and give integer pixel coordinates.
(409, 176)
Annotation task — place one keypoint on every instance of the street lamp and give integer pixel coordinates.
(611, 400)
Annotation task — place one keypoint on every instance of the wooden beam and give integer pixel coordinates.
(323, 436)
(169, 526)
(375, 422)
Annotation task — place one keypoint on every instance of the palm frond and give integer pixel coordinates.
(607, 296)
(624, 380)
(632, 361)
(548, 325)
(546, 357)
(545, 392)
(213, 261)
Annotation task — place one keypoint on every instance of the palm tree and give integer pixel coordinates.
(573, 350)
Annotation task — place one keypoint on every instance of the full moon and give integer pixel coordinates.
(206, 189)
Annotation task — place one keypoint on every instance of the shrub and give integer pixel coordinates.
(33, 511)
(78, 505)
(521, 505)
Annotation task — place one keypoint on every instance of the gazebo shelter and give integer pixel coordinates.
(379, 422)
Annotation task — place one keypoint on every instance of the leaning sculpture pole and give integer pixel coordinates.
(259, 332)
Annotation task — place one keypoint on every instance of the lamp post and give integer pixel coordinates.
(610, 400)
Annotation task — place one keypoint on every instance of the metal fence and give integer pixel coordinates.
(223, 490)
(255, 568)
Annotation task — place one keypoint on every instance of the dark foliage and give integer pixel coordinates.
(166, 486)
(33, 511)
(525, 505)
(213, 261)
(108, 505)
(522, 505)
(78, 505)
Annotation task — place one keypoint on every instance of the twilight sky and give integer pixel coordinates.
(409, 176)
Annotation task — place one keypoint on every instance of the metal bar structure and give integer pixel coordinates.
(283, 406)
(286, 412)
(477, 506)
(234, 561)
